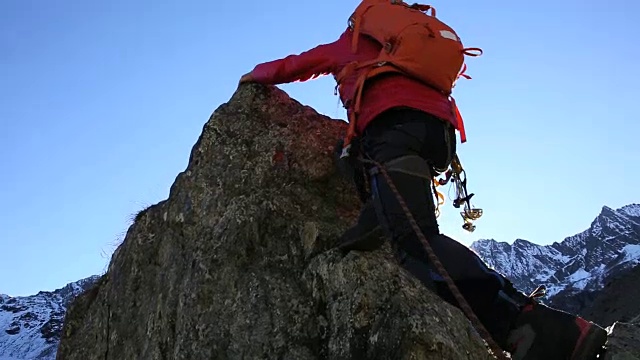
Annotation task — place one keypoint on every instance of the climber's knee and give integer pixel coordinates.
(411, 177)
(419, 268)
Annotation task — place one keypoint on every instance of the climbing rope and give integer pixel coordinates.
(464, 305)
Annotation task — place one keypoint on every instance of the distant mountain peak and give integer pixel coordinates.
(580, 262)
(30, 325)
(631, 210)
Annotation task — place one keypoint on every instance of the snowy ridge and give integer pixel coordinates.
(30, 326)
(580, 262)
(632, 210)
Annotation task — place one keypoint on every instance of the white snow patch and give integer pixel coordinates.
(579, 279)
(560, 257)
(544, 275)
(552, 290)
(579, 275)
(631, 253)
(632, 210)
(28, 342)
(25, 316)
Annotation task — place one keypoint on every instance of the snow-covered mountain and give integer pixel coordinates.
(30, 326)
(579, 264)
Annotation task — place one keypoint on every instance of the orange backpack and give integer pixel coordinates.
(414, 43)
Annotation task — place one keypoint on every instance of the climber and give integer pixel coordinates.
(410, 128)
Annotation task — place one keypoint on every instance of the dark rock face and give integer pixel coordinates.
(236, 263)
(51, 329)
(619, 300)
(13, 306)
(13, 329)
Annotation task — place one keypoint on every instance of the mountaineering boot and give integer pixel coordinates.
(366, 235)
(544, 333)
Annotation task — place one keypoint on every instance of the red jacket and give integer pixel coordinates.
(380, 94)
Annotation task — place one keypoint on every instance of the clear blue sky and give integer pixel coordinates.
(101, 102)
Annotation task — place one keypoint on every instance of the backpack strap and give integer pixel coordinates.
(473, 51)
(460, 121)
(377, 67)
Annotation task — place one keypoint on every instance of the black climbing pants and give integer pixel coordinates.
(404, 132)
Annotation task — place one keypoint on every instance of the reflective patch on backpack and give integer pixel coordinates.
(449, 35)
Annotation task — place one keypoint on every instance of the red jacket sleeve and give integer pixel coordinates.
(321, 60)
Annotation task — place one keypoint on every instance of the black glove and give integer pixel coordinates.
(346, 164)
(351, 168)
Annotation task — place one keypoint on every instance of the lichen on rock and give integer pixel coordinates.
(237, 262)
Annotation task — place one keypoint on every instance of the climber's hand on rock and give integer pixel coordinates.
(346, 164)
(246, 78)
(337, 149)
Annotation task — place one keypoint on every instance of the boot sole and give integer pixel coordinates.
(591, 345)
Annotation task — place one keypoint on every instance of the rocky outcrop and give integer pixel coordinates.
(236, 263)
(619, 300)
(623, 342)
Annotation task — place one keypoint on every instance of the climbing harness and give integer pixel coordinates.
(433, 258)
